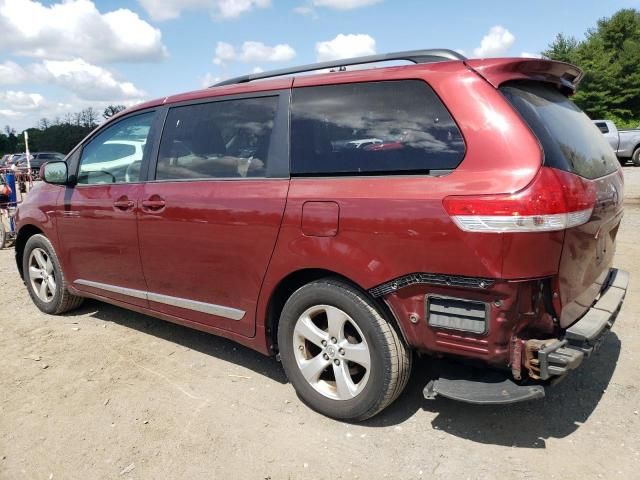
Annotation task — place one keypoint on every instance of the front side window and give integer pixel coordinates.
(115, 155)
(225, 139)
(372, 128)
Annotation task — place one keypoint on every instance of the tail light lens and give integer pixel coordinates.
(555, 200)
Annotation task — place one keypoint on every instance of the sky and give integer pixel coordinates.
(58, 57)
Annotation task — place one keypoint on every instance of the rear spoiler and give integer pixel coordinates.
(500, 70)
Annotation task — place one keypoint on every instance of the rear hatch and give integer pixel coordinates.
(572, 143)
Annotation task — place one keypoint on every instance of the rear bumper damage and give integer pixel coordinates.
(545, 360)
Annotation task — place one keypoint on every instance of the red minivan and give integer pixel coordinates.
(343, 221)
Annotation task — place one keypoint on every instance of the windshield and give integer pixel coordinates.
(571, 142)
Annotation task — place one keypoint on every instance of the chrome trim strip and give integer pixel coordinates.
(208, 308)
(130, 292)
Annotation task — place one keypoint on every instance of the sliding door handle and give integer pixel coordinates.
(154, 204)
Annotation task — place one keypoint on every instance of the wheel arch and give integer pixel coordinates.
(297, 279)
(24, 234)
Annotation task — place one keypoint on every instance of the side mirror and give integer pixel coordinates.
(55, 173)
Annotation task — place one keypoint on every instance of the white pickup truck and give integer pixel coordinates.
(626, 143)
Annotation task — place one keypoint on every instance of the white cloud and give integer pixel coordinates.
(257, 70)
(11, 73)
(344, 4)
(209, 79)
(345, 46)
(225, 52)
(75, 28)
(495, 43)
(18, 100)
(253, 52)
(258, 51)
(10, 114)
(87, 81)
(530, 55)
(169, 9)
(19, 106)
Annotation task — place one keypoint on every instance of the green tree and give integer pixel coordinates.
(609, 55)
(112, 110)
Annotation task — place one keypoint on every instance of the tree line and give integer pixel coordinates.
(609, 55)
(57, 135)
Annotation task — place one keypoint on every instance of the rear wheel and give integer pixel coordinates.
(636, 157)
(44, 277)
(344, 359)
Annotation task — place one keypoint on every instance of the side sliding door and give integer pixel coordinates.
(211, 214)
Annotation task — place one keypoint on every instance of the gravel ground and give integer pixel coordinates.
(107, 393)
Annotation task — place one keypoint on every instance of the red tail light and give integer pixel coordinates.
(555, 200)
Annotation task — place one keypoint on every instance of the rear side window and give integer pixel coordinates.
(603, 127)
(372, 128)
(571, 142)
(226, 139)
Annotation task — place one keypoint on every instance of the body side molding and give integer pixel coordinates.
(208, 308)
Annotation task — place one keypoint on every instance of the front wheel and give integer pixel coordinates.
(344, 359)
(44, 277)
(635, 159)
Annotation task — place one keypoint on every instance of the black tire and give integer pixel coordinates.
(390, 358)
(62, 300)
(635, 159)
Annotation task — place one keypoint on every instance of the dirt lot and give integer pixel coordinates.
(106, 393)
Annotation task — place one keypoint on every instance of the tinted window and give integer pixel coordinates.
(115, 155)
(372, 128)
(223, 139)
(571, 142)
(603, 127)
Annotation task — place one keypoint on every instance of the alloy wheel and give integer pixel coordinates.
(331, 352)
(42, 275)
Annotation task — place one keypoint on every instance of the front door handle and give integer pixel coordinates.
(124, 204)
(155, 203)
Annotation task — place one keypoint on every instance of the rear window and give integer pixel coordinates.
(603, 127)
(372, 128)
(571, 142)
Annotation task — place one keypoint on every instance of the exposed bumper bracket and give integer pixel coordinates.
(555, 358)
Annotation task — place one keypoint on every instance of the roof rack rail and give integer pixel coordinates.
(415, 56)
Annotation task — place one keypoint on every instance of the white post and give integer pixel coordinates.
(26, 150)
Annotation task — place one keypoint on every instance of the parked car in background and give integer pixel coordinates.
(38, 159)
(478, 222)
(626, 143)
(14, 159)
(4, 159)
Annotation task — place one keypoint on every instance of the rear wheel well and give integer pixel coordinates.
(293, 282)
(24, 234)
